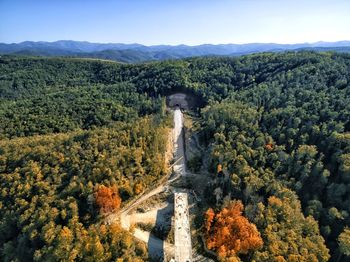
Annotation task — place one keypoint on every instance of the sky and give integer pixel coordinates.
(190, 22)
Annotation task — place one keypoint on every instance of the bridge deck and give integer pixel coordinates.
(183, 245)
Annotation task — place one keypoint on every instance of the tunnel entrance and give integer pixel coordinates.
(183, 101)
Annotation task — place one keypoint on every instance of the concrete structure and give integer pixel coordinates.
(183, 244)
(178, 100)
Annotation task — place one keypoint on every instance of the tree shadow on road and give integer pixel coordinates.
(160, 232)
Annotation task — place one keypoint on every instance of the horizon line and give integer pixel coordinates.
(190, 45)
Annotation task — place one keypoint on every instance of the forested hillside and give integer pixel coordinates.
(83, 149)
(53, 191)
(277, 124)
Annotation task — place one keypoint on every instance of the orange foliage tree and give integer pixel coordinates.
(229, 233)
(107, 199)
(269, 146)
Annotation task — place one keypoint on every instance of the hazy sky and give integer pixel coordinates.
(175, 21)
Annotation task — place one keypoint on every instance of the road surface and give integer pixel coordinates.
(179, 151)
(183, 246)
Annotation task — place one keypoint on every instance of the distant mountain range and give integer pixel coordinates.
(133, 53)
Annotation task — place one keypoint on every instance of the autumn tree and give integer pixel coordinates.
(229, 233)
(138, 188)
(287, 234)
(344, 243)
(107, 199)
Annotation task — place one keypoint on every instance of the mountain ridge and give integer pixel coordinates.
(132, 53)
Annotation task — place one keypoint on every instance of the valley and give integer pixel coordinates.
(159, 212)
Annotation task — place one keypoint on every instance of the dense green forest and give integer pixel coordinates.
(278, 124)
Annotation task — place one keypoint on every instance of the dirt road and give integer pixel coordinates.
(156, 246)
(162, 213)
(179, 151)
